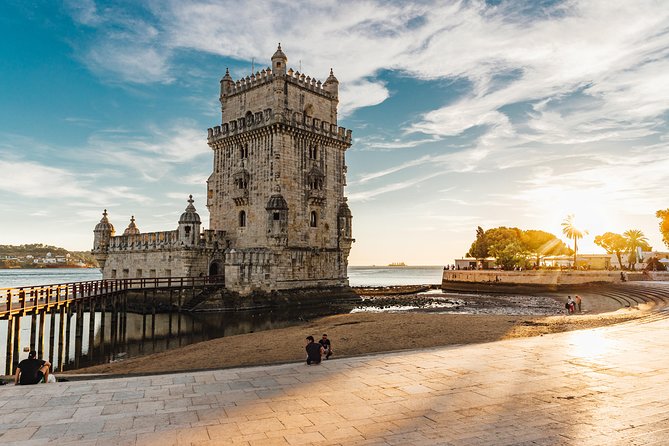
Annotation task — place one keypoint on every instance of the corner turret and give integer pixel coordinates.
(227, 83)
(189, 225)
(331, 84)
(102, 234)
(132, 228)
(279, 62)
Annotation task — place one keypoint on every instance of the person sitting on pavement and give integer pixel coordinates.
(32, 370)
(327, 347)
(314, 351)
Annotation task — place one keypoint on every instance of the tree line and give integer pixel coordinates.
(516, 248)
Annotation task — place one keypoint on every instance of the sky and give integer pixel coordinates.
(464, 114)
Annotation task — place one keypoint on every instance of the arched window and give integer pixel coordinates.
(242, 219)
(313, 220)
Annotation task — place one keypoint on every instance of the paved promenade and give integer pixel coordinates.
(606, 386)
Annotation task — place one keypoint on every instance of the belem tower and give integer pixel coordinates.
(278, 218)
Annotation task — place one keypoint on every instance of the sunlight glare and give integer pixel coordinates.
(589, 344)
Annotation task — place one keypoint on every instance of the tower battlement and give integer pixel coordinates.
(252, 121)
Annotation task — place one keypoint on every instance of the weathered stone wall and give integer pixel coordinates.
(547, 277)
(541, 277)
(159, 263)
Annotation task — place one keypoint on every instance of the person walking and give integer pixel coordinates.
(32, 370)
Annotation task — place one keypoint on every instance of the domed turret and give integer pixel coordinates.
(104, 224)
(190, 215)
(132, 228)
(279, 62)
(102, 233)
(189, 225)
(331, 84)
(276, 202)
(226, 83)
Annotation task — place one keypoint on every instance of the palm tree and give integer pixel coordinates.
(635, 239)
(572, 232)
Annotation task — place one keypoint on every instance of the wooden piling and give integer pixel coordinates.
(10, 346)
(91, 327)
(33, 330)
(40, 333)
(68, 330)
(16, 348)
(78, 333)
(61, 339)
(52, 334)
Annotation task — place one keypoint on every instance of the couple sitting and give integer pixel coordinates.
(316, 351)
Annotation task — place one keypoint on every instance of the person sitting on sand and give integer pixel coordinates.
(327, 347)
(32, 370)
(314, 351)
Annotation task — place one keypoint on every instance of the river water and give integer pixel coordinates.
(358, 276)
(151, 334)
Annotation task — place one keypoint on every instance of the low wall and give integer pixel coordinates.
(516, 281)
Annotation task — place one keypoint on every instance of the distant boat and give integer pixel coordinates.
(397, 264)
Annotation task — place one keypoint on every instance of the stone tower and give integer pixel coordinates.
(277, 186)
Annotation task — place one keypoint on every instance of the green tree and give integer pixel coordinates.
(613, 244)
(505, 244)
(479, 249)
(663, 215)
(509, 255)
(542, 243)
(572, 232)
(635, 239)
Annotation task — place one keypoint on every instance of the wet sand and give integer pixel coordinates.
(371, 332)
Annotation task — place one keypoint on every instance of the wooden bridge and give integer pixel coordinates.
(107, 297)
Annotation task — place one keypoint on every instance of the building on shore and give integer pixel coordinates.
(278, 217)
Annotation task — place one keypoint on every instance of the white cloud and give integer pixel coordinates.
(152, 154)
(32, 179)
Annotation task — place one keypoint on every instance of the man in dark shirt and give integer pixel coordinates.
(32, 370)
(327, 348)
(314, 351)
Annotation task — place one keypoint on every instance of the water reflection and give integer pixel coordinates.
(116, 336)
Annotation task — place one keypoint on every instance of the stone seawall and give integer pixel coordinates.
(542, 280)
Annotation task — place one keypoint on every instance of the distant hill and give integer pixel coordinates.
(38, 255)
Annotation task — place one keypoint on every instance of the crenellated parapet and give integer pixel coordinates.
(266, 117)
(164, 240)
(144, 241)
(232, 88)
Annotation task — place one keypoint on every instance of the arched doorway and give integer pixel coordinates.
(216, 270)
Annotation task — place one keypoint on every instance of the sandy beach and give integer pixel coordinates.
(371, 332)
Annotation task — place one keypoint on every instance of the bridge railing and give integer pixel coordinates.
(29, 298)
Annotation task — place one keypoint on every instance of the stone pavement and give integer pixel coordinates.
(604, 386)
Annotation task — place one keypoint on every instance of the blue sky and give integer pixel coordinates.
(464, 113)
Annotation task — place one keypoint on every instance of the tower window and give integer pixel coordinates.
(277, 216)
(313, 220)
(242, 219)
(313, 153)
(244, 151)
